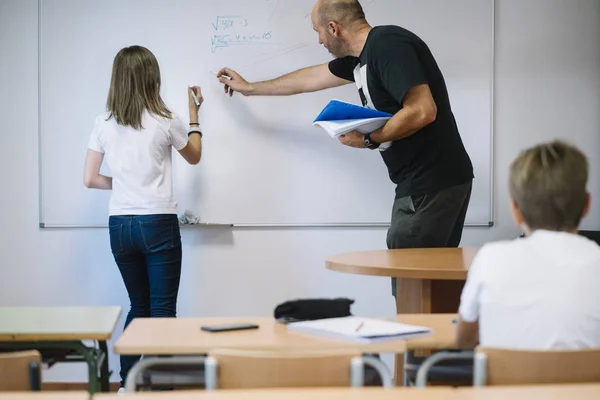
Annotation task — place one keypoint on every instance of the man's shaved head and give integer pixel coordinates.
(344, 12)
(339, 23)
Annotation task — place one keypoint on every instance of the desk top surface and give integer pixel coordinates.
(182, 336)
(542, 392)
(533, 392)
(436, 263)
(57, 323)
(71, 395)
(300, 394)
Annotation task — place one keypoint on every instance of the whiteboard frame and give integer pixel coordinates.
(39, 111)
(261, 226)
(492, 129)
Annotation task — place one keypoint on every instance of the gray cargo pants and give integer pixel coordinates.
(429, 220)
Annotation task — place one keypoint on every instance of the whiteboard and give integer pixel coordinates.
(263, 161)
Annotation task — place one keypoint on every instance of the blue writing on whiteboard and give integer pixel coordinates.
(228, 22)
(239, 39)
(234, 30)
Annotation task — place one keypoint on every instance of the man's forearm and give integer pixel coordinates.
(403, 124)
(309, 79)
(285, 85)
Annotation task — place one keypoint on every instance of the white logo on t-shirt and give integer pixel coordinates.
(360, 78)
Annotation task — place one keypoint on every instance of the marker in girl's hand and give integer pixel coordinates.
(194, 97)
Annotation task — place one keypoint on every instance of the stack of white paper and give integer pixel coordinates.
(337, 128)
(361, 329)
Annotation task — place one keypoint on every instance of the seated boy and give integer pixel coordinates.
(540, 292)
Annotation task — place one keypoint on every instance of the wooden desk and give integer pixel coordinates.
(541, 392)
(537, 392)
(299, 394)
(427, 280)
(65, 329)
(45, 395)
(182, 336)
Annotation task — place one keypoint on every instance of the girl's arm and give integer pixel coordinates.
(91, 173)
(192, 152)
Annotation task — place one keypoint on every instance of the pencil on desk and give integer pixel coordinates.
(359, 327)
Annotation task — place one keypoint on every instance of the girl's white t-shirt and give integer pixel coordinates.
(140, 162)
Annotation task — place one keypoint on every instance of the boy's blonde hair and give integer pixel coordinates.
(135, 87)
(548, 184)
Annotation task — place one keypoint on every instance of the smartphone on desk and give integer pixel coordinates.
(228, 327)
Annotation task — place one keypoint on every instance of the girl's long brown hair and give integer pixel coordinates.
(135, 87)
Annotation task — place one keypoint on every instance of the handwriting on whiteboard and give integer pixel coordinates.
(233, 30)
(226, 22)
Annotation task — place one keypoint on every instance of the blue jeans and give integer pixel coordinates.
(147, 250)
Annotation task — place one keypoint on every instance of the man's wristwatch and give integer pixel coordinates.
(369, 143)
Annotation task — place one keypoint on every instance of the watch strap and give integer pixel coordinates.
(369, 143)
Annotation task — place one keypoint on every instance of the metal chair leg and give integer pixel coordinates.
(423, 371)
(140, 366)
(480, 369)
(381, 368)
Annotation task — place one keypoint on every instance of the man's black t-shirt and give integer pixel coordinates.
(392, 61)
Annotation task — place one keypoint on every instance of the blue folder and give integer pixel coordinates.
(337, 110)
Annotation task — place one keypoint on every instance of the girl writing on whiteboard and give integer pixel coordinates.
(135, 136)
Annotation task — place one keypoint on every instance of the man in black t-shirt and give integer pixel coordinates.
(394, 72)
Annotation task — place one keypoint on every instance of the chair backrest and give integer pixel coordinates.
(16, 370)
(265, 369)
(592, 235)
(514, 367)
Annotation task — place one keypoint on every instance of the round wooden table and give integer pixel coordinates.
(427, 280)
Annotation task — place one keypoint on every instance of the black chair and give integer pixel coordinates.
(592, 235)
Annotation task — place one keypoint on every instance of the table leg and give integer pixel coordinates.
(413, 296)
(104, 372)
(90, 359)
(445, 296)
(91, 356)
(424, 296)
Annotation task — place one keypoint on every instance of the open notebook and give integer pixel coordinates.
(339, 117)
(361, 329)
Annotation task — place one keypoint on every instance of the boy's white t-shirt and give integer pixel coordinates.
(140, 161)
(541, 292)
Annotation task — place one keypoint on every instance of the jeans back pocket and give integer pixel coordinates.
(115, 231)
(160, 233)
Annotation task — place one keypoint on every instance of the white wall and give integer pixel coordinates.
(547, 86)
